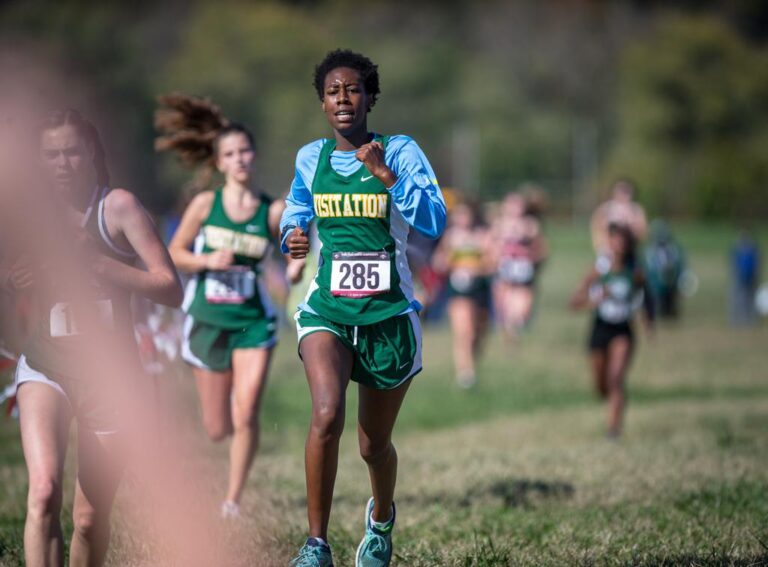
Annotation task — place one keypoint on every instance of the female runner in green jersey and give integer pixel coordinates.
(222, 240)
(358, 321)
(614, 294)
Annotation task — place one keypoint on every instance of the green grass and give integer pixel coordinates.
(517, 471)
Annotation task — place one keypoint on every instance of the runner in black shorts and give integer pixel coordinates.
(614, 294)
(464, 256)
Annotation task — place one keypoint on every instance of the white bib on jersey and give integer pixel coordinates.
(360, 274)
(235, 285)
(516, 270)
(65, 322)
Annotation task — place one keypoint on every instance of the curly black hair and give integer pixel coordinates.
(369, 72)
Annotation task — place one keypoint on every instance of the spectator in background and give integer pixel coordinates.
(665, 264)
(621, 210)
(745, 275)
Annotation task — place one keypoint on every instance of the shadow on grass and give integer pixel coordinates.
(510, 493)
(523, 493)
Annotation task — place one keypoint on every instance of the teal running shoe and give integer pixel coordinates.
(313, 554)
(376, 548)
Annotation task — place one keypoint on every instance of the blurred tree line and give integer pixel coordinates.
(565, 94)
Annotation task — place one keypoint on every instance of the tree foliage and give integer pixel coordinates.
(693, 114)
(674, 99)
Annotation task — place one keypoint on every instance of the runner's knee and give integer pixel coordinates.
(328, 420)
(245, 420)
(217, 429)
(44, 497)
(375, 452)
(86, 523)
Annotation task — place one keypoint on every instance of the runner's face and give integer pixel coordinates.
(617, 244)
(66, 158)
(622, 192)
(461, 217)
(514, 206)
(345, 101)
(235, 157)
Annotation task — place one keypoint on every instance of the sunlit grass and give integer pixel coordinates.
(517, 471)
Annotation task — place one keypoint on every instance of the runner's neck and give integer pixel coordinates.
(238, 192)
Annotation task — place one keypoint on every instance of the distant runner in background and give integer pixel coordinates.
(464, 255)
(614, 295)
(519, 248)
(621, 210)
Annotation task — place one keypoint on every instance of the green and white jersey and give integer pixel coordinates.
(236, 297)
(618, 296)
(363, 275)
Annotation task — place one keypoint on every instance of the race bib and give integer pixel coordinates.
(516, 270)
(612, 311)
(235, 285)
(359, 274)
(64, 322)
(463, 280)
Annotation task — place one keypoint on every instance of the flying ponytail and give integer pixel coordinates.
(86, 129)
(191, 127)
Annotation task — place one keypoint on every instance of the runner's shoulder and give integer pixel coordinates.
(403, 147)
(201, 204)
(310, 150)
(397, 142)
(121, 202)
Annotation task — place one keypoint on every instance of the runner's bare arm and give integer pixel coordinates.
(191, 221)
(440, 256)
(540, 248)
(17, 276)
(597, 228)
(159, 282)
(580, 299)
(640, 223)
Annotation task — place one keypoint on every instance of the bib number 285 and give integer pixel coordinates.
(360, 274)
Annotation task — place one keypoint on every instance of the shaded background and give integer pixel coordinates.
(566, 94)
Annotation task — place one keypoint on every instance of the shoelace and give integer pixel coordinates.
(308, 557)
(376, 543)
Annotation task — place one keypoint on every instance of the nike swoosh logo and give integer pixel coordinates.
(364, 178)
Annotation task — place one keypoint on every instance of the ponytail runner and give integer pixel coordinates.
(192, 127)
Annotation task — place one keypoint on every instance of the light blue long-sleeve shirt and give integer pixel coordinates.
(416, 193)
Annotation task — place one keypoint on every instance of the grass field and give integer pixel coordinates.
(517, 471)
